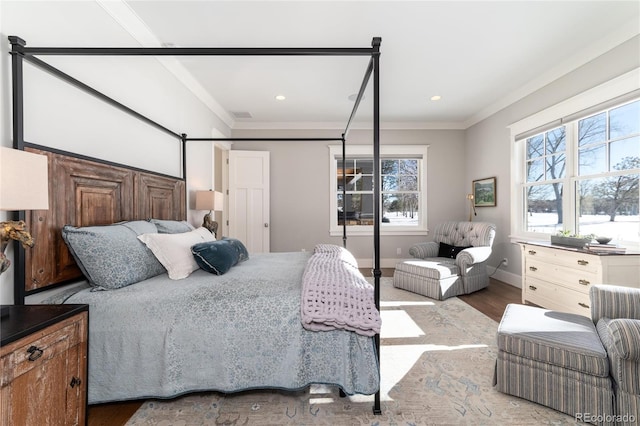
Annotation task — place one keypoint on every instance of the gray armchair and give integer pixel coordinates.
(453, 263)
(616, 312)
(587, 368)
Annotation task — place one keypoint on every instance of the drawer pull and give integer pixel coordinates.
(584, 282)
(75, 381)
(534, 288)
(34, 353)
(533, 268)
(584, 305)
(583, 262)
(532, 252)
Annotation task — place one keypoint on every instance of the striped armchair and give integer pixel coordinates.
(587, 368)
(469, 263)
(616, 312)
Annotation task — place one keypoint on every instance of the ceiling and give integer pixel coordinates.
(479, 56)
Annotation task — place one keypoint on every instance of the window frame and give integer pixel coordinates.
(418, 152)
(619, 91)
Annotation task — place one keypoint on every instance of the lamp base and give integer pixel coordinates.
(210, 224)
(12, 230)
(4, 262)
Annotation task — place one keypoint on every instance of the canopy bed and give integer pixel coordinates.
(132, 197)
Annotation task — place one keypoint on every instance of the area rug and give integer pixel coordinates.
(437, 364)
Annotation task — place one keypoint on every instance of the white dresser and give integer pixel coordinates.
(559, 278)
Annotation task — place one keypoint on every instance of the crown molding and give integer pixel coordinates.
(129, 20)
(622, 34)
(311, 125)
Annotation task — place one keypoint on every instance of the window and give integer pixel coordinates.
(580, 175)
(402, 189)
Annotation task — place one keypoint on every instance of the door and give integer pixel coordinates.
(249, 199)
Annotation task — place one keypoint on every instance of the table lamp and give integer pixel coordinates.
(24, 185)
(212, 201)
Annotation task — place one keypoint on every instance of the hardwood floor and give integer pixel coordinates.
(115, 414)
(491, 301)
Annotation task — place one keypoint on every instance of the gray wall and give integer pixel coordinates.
(300, 186)
(488, 142)
(60, 116)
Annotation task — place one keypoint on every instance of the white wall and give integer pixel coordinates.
(488, 142)
(300, 187)
(60, 116)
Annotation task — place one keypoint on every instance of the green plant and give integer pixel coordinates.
(567, 233)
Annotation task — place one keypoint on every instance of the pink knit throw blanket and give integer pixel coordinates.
(335, 295)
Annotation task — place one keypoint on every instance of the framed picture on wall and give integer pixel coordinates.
(484, 192)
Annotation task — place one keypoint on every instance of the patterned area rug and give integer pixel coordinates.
(437, 363)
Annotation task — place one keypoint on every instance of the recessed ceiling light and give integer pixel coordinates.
(280, 98)
(436, 97)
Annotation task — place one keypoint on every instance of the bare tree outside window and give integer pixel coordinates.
(604, 181)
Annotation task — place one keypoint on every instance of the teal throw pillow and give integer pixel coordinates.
(216, 257)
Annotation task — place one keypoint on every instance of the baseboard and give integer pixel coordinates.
(506, 277)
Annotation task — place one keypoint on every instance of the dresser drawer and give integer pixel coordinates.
(575, 279)
(36, 350)
(556, 297)
(576, 260)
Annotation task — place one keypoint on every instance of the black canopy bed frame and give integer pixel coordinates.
(21, 53)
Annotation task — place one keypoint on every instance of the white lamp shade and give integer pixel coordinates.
(24, 180)
(209, 200)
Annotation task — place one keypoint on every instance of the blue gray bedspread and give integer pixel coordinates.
(242, 330)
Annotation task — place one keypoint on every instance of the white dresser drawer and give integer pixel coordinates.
(577, 260)
(556, 297)
(575, 279)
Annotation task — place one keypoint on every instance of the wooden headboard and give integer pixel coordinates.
(85, 192)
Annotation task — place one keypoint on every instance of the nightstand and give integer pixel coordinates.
(43, 364)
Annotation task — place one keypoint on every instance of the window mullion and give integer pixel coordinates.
(569, 201)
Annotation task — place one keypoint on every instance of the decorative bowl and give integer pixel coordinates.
(603, 240)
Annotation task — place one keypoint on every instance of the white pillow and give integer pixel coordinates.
(173, 251)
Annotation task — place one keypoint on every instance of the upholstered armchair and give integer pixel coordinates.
(586, 368)
(453, 263)
(616, 312)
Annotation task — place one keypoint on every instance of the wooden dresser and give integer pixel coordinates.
(559, 278)
(43, 359)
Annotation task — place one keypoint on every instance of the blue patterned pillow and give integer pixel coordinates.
(112, 256)
(172, 226)
(243, 254)
(216, 257)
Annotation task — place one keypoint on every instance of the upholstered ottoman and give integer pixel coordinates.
(555, 359)
(437, 279)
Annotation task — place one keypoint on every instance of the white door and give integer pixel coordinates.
(249, 199)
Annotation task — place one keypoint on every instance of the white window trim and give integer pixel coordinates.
(385, 150)
(618, 86)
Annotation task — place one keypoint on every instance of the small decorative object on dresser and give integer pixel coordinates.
(559, 278)
(43, 355)
(565, 238)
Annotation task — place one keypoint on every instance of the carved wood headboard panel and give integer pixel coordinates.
(85, 192)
